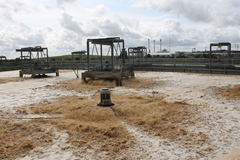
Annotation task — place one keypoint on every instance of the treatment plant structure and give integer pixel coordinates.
(101, 67)
(35, 61)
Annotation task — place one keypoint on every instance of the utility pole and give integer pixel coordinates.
(169, 45)
(154, 45)
(236, 47)
(193, 49)
(149, 46)
(160, 45)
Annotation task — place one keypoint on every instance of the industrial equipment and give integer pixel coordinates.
(114, 68)
(105, 98)
(35, 61)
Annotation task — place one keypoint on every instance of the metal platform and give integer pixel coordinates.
(117, 76)
(113, 68)
(34, 61)
(35, 73)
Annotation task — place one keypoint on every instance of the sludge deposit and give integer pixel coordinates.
(160, 115)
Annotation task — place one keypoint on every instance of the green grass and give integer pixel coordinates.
(75, 57)
(9, 68)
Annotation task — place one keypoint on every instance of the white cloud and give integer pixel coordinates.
(65, 25)
(70, 24)
(99, 11)
(18, 6)
(216, 12)
(60, 2)
(110, 28)
(128, 22)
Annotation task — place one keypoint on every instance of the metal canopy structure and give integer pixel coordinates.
(115, 45)
(137, 52)
(219, 45)
(34, 61)
(110, 69)
(77, 54)
(106, 41)
(3, 58)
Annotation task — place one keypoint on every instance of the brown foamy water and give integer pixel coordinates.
(10, 79)
(228, 92)
(18, 137)
(101, 129)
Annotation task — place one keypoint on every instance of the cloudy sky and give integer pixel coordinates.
(65, 25)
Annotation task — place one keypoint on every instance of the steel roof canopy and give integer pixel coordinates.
(220, 44)
(105, 41)
(139, 47)
(79, 52)
(32, 49)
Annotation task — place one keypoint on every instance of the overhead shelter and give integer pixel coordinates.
(137, 52)
(77, 55)
(35, 61)
(220, 45)
(109, 69)
(116, 45)
(3, 58)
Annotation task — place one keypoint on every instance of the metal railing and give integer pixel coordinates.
(162, 64)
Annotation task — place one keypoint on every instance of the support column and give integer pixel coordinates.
(101, 56)
(112, 57)
(88, 61)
